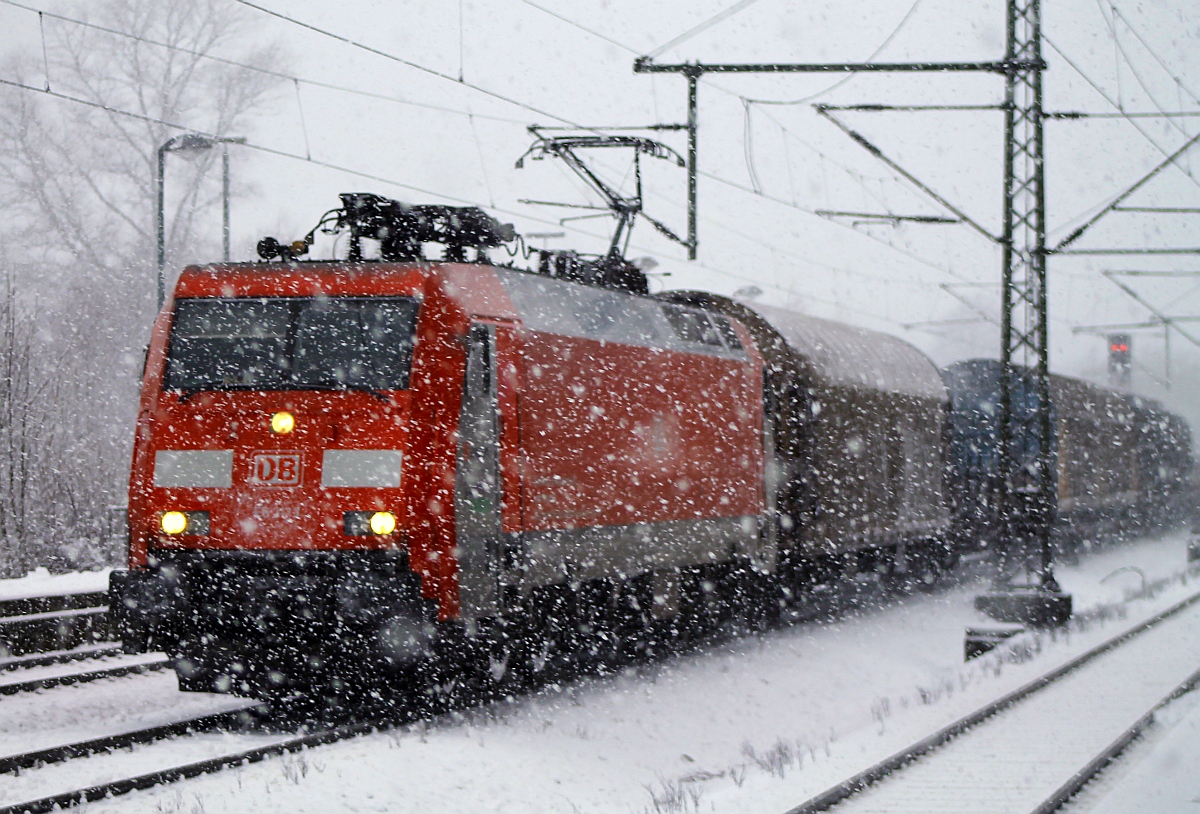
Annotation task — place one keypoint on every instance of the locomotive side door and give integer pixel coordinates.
(477, 484)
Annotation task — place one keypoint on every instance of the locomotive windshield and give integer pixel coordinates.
(322, 343)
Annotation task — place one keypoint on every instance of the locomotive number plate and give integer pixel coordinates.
(276, 468)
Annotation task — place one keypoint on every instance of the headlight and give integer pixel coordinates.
(363, 524)
(283, 422)
(175, 523)
(383, 523)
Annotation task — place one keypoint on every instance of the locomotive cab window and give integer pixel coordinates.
(725, 328)
(691, 326)
(702, 328)
(350, 343)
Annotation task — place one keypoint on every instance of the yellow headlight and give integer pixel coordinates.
(383, 523)
(173, 522)
(283, 422)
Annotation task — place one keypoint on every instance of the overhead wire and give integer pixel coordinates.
(886, 42)
(370, 176)
(1124, 55)
(110, 109)
(747, 136)
(258, 68)
(748, 147)
(702, 27)
(262, 148)
(1104, 94)
(1153, 53)
(587, 30)
(303, 124)
(858, 178)
(461, 45)
(787, 159)
(1179, 85)
(502, 97)
(578, 25)
(756, 239)
(273, 151)
(791, 204)
(749, 102)
(797, 207)
(482, 164)
(409, 63)
(45, 53)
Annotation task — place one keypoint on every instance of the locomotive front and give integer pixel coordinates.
(267, 501)
(275, 466)
(351, 471)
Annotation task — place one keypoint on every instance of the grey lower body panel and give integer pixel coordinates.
(596, 552)
(843, 538)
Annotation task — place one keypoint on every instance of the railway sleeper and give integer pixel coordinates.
(52, 631)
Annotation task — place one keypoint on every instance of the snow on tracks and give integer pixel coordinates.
(1033, 748)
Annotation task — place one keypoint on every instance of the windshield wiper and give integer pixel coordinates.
(188, 392)
(379, 394)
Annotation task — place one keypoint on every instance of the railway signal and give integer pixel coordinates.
(1120, 360)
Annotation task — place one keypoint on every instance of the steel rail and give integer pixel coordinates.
(108, 743)
(1101, 762)
(881, 770)
(188, 770)
(91, 651)
(333, 735)
(12, 688)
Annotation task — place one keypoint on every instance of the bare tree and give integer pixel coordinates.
(77, 204)
(81, 178)
(17, 400)
(30, 491)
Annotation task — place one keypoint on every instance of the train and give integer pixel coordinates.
(389, 466)
(1123, 462)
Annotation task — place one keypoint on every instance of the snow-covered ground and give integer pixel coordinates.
(39, 720)
(1157, 774)
(41, 582)
(759, 724)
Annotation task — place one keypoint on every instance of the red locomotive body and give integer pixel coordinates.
(345, 461)
(261, 489)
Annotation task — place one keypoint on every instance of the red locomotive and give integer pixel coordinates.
(384, 462)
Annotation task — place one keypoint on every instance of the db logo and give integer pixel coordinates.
(275, 468)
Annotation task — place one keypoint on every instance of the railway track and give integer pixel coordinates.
(68, 671)
(77, 625)
(277, 745)
(843, 797)
(855, 795)
(48, 641)
(120, 740)
(1034, 748)
(86, 651)
(52, 623)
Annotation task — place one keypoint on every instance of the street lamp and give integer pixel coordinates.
(190, 142)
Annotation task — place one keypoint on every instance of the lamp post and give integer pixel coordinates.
(189, 142)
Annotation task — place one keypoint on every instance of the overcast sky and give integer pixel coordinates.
(571, 62)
